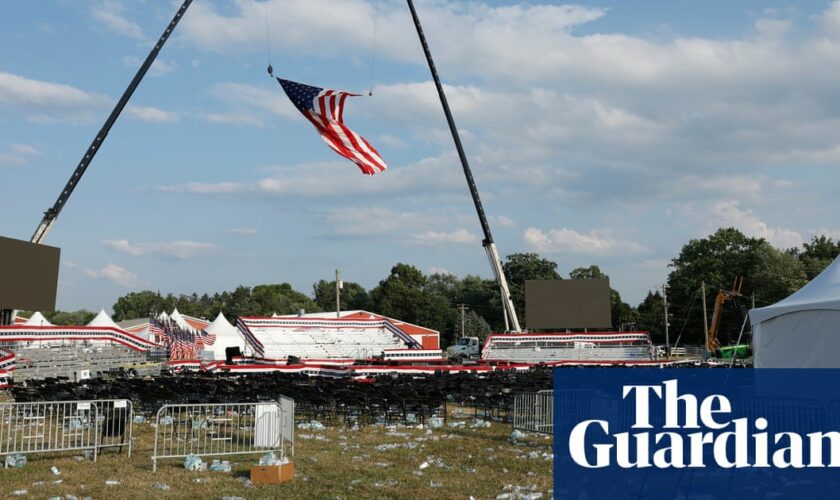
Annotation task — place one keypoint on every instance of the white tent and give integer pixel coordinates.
(803, 330)
(226, 334)
(180, 321)
(102, 319)
(38, 319)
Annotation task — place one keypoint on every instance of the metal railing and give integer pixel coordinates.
(534, 411)
(218, 429)
(288, 429)
(115, 422)
(50, 426)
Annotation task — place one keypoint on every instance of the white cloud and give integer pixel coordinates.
(342, 179)
(242, 231)
(110, 14)
(728, 213)
(159, 68)
(438, 270)
(251, 101)
(233, 118)
(152, 114)
(16, 155)
(114, 274)
(571, 241)
(435, 238)
(177, 249)
(47, 101)
(831, 233)
(412, 228)
(502, 221)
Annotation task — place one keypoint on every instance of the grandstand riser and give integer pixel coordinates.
(40, 363)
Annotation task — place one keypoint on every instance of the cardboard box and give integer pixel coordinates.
(272, 474)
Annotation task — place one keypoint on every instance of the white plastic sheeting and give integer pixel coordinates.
(803, 330)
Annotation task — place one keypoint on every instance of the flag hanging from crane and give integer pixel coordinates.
(325, 109)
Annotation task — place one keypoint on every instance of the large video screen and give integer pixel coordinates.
(28, 275)
(552, 304)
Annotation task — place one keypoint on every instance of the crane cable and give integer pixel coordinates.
(373, 48)
(268, 38)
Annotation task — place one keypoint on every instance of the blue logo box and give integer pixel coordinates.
(648, 433)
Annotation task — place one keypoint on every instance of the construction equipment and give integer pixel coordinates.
(511, 319)
(723, 296)
(51, 214)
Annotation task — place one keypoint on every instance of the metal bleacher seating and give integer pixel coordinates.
(71, 361)
(340, 343)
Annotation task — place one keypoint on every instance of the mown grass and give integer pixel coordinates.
(338, 462)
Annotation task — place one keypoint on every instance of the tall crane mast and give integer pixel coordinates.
(51, 214)
(511, 319)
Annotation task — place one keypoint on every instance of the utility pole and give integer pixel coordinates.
(705, 320)
(338, 287)
(667, 338)
(463, 309)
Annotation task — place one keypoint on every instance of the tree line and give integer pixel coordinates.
(434, 300)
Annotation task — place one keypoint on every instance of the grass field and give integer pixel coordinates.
(373, 462)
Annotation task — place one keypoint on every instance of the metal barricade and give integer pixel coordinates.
(115, 422)
(534, 411)
(288, 406)
(218, 429)
(48, 426)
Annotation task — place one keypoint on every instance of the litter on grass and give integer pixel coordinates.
(15, 460)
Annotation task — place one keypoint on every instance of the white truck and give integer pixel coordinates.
(465, 348)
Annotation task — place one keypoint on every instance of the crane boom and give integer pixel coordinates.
(511, 319)
(51, 214)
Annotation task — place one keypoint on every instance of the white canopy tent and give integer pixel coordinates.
(803, 330)
(226, 334)
(38, 319)
(102, 319)
(179, 320)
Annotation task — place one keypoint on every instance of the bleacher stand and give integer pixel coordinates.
(568, 347)
(76, 352)
(326, 338)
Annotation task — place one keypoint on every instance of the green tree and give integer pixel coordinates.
(483, 298)
(587, 273)
(817, 255)
(475, 326)
(407, 294)
(518, 268)
(652, 316)
(353, 296)
(777, 274)
(141, 304)
(400, 294)
(73, 318)
(716, 260)
(621, 313)
(280, 298)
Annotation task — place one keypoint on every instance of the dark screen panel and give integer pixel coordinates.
(553, 304)
(28, 275)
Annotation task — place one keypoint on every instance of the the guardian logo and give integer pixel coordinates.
(695, 433)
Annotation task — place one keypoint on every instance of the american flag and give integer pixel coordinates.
(209, 338)
(155, 328)
(325, 109)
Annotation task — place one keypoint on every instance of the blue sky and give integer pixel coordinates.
(600, 132)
